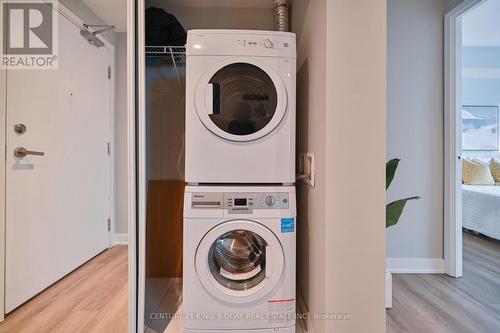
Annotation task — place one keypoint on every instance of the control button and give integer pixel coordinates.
(268, 43)
(269, 201)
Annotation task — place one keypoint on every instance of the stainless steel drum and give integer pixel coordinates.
(237, 259)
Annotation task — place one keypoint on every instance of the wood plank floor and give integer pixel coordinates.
(94, 298)
(163, 296)
(438, 303)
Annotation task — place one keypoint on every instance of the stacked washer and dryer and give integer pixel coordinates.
(239, 205)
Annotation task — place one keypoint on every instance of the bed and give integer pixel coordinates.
(481, 209)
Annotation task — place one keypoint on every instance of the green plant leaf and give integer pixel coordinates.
(390, 171)
(394, 210)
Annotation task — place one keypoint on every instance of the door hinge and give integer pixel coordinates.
(109, 72)
(109, 224)
(109, 148)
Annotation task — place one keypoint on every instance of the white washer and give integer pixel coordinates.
(239, 259)
(240, 106)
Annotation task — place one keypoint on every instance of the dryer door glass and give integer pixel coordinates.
(244, 99)
(237, 259)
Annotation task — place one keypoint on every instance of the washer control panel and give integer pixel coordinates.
(239, 203)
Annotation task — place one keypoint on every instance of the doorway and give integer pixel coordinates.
(471, 130)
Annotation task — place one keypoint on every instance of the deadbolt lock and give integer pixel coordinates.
(20, 128)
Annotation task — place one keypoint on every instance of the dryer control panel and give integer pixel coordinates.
(241, 202)
(268, 43)
(206, 42)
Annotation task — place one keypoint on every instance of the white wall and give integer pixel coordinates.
(341, 248)
(480, 81)
(415, 125)
(355, 176)
(481, 26)
(120, 132)
(86, 14)
(481, 62)
(309, 23)
(111, 11)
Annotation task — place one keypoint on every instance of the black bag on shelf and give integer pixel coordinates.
(163, 28)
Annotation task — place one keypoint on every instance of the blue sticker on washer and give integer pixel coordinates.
(288, 225)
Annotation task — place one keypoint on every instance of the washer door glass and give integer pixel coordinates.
(237, 259)
(244, 99)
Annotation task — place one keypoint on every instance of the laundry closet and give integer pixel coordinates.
(160, 272)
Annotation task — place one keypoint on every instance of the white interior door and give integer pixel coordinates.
(58, 204)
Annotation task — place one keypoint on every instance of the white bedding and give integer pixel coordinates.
(481, 209)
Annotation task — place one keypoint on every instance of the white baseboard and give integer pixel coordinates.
(120, 239)
(415, 265)
(388, 290)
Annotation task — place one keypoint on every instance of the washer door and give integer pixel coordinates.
(241, 100)
(239, 261)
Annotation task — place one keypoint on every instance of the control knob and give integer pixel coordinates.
(270, 200)
(268, 43)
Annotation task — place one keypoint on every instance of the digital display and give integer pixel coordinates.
(240, 202)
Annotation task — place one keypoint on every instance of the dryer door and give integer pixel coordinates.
(241, 99)
(239, 261)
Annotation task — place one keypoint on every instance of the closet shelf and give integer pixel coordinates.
(166, 55)
(174, 56)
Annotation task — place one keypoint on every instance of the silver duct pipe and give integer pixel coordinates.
(281, 14)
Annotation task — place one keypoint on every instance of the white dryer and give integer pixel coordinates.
(240, 106)
(239, 259)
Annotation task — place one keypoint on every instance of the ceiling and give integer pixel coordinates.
(481, 26)
(111, 12)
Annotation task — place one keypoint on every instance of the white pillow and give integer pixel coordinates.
(495, 169)
(476, 172)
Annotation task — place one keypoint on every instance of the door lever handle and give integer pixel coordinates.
(22, 152)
